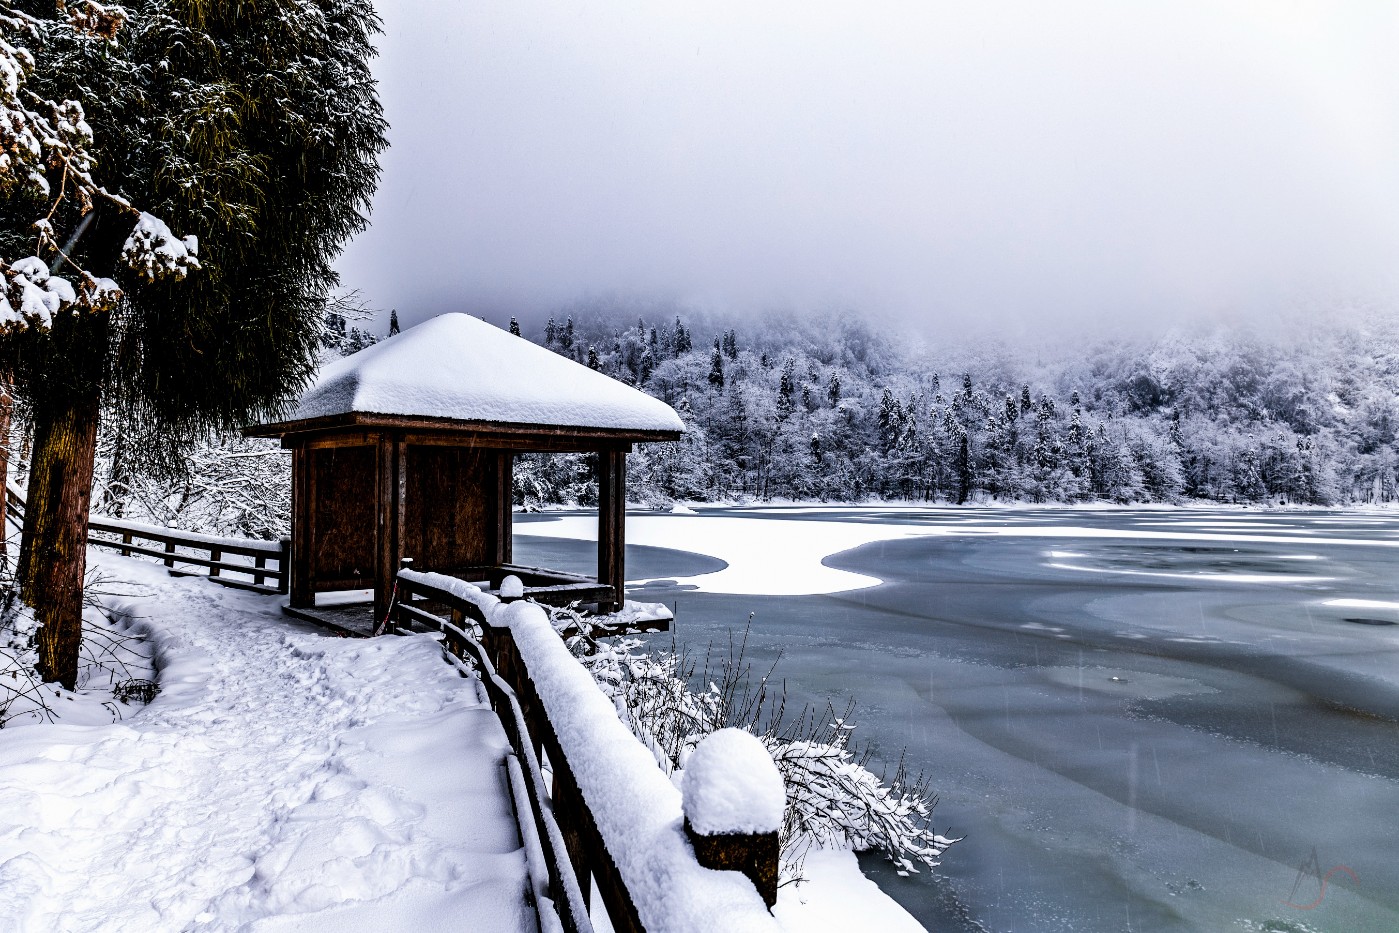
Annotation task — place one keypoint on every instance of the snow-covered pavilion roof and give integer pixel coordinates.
(460, 368)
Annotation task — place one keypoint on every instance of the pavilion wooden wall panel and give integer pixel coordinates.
(343, 521)
(450, 519)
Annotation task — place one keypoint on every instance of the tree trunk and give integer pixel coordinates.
(53, 549)
(7, 408)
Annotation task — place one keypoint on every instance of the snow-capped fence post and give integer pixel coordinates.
(733, 802)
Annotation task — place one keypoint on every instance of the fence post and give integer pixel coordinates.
(259, 563)
(215, 555)
(284, 566)
(125, 539)
(169, 549)
(733, 800)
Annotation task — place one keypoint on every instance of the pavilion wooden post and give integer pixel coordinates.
(302, 592)
(390, 483)
(611, 522)
(504, 530)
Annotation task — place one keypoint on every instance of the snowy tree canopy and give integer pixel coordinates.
(256, 129)
(46, 152)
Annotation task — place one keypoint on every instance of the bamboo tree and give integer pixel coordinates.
(254, 125)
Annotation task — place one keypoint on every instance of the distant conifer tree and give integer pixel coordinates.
(514, 327)
(681, 342)
(551, 332)
(716, 366)
(964, 468)
(786, 389)
(593, 361)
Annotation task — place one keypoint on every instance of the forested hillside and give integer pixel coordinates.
(837, 409)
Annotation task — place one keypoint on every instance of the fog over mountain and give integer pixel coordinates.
(940, 164)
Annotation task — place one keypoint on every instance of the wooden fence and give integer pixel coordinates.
(564, 826)
(266, 562)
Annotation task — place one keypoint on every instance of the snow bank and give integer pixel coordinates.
(836, 897)
(282, 779)
(731, 785)
(457, 366)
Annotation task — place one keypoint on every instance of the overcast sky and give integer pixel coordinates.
(944, 163)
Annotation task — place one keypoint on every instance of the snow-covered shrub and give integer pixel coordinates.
(21, 689)
(233, 486)
(834, 799)
(112, 663)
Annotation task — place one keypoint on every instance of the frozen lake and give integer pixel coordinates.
(1140, 719)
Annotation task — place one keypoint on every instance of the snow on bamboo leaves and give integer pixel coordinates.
(44, 148)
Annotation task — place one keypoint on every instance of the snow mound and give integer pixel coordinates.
(731, 785)
(457, 366)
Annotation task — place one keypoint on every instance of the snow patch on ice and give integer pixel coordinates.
(777, 557)
(1362, 604)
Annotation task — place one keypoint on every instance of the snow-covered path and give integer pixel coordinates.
(282, 780)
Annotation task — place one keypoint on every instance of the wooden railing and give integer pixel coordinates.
(268, 561)
(564, 826)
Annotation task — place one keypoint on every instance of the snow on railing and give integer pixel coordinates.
(622, 819)
(176, 547)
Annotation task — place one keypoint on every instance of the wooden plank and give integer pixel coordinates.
(169, 556)
(347, 439)
(250, 548)
(215, 555)
(486, 430)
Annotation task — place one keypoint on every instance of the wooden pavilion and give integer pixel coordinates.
(406, 449)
